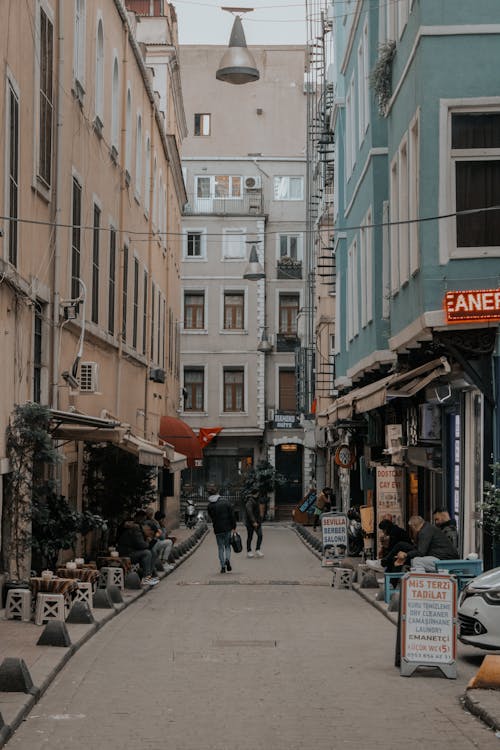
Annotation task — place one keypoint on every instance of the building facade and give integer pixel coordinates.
(416, 149)
(245, 169)
(90, 254)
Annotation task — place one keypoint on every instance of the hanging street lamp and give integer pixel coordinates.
(237, 64)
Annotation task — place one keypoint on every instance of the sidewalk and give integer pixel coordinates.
(18, 640)
(482, 703)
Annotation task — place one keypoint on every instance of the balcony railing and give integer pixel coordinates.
(287, 342)
(249, 204)
(289, 269)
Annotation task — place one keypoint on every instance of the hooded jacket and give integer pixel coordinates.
(221, 514)
(432, 542)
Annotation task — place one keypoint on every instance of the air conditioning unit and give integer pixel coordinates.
(157, 374)
(253, 183)
(88, 377)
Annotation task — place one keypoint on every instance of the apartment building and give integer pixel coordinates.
(244, 163)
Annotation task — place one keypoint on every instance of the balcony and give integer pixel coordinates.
(287, 268)
(287, 342)
(250, 204)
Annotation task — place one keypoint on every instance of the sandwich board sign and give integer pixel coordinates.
(335, 539)
(428, 623)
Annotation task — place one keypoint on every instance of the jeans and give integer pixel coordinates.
(224, 547)
(161, 551)
(425, 564)
(145, 560)
(258, 532)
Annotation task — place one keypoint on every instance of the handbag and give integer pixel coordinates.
(236, 543)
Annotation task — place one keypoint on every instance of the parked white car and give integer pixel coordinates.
(479, 611)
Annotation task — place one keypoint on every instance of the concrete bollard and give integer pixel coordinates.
(101, 600)
(55, 633)
(393, 605)
(368, 581)
(15, 677)
(132, 581)
(115, 594)
(80, 613)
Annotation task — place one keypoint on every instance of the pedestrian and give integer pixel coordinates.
(222, 515)
(323, 505)
(253, 523)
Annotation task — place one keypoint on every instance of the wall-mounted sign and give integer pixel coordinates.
(283, 421)
(428, 623)
(334, 530)
(390, 492)
(345, 456)
(471, 305)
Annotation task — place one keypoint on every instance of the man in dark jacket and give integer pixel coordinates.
(430, 545)
(254, 523)
(223, 519)
(132, 543)
(448, 526)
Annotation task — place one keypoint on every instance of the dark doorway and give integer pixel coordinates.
(289, 464)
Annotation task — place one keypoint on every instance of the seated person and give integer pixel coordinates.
(448, 526)
(132, 543)
(431, 544)
(164, 542)
(397, 540)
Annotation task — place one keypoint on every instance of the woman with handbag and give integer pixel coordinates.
(223, 519)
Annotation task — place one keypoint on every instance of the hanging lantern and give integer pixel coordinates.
(237, 65)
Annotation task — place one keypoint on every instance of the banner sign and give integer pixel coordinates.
(285, 421)
(471, 305)
(390, 492)
(334, 530)
(428, 623)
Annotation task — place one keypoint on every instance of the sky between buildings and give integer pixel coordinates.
(271, 22)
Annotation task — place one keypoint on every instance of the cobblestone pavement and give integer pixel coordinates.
(268, 657)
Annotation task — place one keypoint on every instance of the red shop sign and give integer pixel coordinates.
(471, 305)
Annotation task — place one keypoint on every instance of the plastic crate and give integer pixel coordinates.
(469, 568)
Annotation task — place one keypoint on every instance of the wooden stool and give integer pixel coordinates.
(111, 577)
(49, 607)
(18, 604)
(84, 593)
(342, 578)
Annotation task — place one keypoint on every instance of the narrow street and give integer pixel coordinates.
(267, 657)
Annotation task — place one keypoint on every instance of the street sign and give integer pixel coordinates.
(428, 623)
(334, 530)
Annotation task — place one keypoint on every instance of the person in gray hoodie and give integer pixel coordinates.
(222, 515)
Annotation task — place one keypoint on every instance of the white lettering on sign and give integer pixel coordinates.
(477, 304)
(428, 611)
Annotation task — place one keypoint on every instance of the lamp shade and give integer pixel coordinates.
(237, 64)
(254, 270)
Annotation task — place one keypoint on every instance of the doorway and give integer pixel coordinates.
(289, 460)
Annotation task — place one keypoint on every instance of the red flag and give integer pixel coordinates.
(206, 434)
(314, 406)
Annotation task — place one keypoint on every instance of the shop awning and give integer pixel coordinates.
(397, 385)
(178, 463)
(147, 453)
(179, 434)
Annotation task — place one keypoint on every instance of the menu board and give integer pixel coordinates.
(428, 622)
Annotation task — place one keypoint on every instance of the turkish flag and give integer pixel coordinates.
(207, 434)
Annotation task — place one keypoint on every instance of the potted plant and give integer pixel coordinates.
(381, 75)
(263, 479)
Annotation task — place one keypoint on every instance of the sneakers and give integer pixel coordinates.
(250, 553)
(167, 567)
(150, 581)
(223, 569)
(375, 564)
(228, 566)
(258, 553)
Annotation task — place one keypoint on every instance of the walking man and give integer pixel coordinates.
(253, 523)
(223, 519)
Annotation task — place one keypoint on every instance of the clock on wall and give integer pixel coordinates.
(345, 456)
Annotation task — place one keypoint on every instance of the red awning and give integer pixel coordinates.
(181, 436)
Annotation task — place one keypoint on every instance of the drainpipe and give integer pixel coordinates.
(149, 331)
(56, 294)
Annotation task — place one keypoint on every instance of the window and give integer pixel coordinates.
(79, 48)
(233, 246)
(138, 156)
(144, 312)
(135, 308)
(46, 99)
(202, 124)
(394, 215)
(99, 74)
(153, 322)
(218, 186)
(115, 106)
(234, 311)
(112, 281)
(475, 152)
(288, 188)
(233, 389)
(147, 181)
(96, 238)
(352, 292)
(125, 293)
(194, 389)
(290, 246)
(366, 270)
(363, 85)
(37, 353)
(194, 246)
(403, 215)
(128, 133)
(350, 137)
(287, 390)
(288, 311)
(413, 193)
(13, 172)
(194, 311)
(76, 239)
(158, 326)
(164, 333)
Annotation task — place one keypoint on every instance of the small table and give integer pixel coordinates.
(115, 562)
(55, 585)
(87, 575)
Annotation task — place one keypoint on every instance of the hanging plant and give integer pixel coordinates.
(381, 75)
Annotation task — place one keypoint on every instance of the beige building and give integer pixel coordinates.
(91, 196)
(244, 165)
